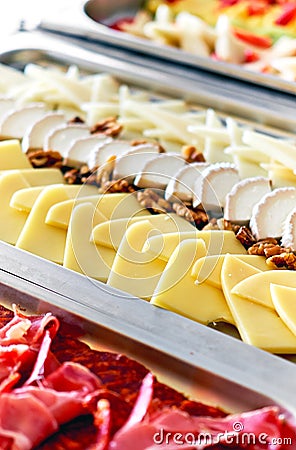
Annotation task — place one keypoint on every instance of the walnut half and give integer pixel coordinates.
(286, 260)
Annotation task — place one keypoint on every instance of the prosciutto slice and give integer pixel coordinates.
(27, 329)
(30, 414)
(44, 394)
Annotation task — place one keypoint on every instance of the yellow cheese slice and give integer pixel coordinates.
(24, 199)
(208, 268)
(82, 255)
(116, 206)
(257, 288)
(284, 301)
(134, 271)
(219, 242)
(12, 220)
(178, 292)
(163, 246)
(111, 232)
(59, 214)
(38, 237)
(12, 156)
(38, 177)
(257, 325)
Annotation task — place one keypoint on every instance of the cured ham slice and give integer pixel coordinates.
(56, 392)
(21, 329)
(171, 428)
(30, 414)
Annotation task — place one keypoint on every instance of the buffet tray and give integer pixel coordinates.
(228, 96)
(202, 363)
(89, 20)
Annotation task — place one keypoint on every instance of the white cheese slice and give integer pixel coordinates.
(62, 137)
(242, 198)
(279, 175)
(289, 231)
(128, 166)
(181, 185)
(248, 168)
(15, 124)
(6, 105)
(83, 150)
(211, 189)
(276, 149)
(158, 171)
(110, 149)
(269, 213)
(228, 47)
(35, 135)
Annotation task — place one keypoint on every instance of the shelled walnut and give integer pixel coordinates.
(191, 154)
(245, 237)
(199, 217)
(42, 159)
(285, 260)
(116, 186)
(277, 256)
(149, 199)
(109, 127)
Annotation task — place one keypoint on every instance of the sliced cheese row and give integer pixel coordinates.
(160, 258)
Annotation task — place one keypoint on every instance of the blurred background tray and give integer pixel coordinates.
(227, 95)
(89, 21)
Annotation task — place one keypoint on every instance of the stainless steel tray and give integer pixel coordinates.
(90, 19)
(228, 96)
(202, 363)
(147, 326)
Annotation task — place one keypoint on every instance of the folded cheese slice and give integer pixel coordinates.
(258, 325)
(12, 220)
(12, 157)
(45, 240)
(257, 287)
(134, 271)
(284, 301)
(208, 269)
(217, 242)
(113, 206)
(177, 291)
(81, 255)
(111, 232)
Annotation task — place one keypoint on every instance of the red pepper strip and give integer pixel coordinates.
(251, 56)
(257, 9)
(119, 24)
(225, 3)
(253, 39)
(289, 13)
